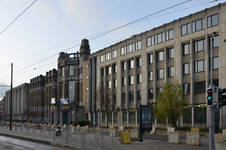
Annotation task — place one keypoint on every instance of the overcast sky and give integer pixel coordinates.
(51, 26)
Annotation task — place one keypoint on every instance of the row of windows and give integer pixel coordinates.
(199, 66)
(199, 24)
(108, 56)
(130, 48)
(160, 37)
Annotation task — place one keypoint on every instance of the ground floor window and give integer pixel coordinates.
(132, 117)
(187, 115)
(200, 115)
(103, 117)
(124, 118)
(115, 118)
(109, 118)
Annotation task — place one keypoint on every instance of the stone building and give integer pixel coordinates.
(70, 83)
(134, 71)
(2, 109)
(36, 99)
(19, 103)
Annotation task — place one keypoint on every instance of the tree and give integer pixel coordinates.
(169, 103)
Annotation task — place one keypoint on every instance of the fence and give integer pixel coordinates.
(83, 138)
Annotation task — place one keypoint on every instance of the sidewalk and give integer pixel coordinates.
(95, 142)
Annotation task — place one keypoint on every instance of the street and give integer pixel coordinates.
(7, 143)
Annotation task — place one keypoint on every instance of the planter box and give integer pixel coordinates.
(193, 138)
(174, 137)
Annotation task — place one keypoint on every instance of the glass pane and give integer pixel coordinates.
(189, 28)
(171, 34)
(214, 20)
(193, 26)
(198, 25)
(216, 41)
(215, 62)
(209, 21)
(184, 30)
(71, 91)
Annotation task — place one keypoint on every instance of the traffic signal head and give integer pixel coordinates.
(221, 98)
(209, 96)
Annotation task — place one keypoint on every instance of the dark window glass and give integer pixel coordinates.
(213, 20)
(150, 94)
(170, 72)
(200, 87)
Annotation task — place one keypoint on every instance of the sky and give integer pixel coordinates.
(52, 26)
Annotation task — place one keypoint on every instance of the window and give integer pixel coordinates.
(159, 90)
(71, 91)
(114, 53)
(170, 72)
(108, 56)
(131, 95)
(215, 62)
(109, 84)
(150, 58)
(215, 41)
(109, 70)
(129, 48)
(150, 94)
(138, 95)
(156, 39)
(131, 80)
(212, 20)
(198, 25)
(200, 87)
(159, 37)
(186, 49)
(186, 69)
(169, 34)
(139, 62)
(123, 50)
(132, 117)
(138, 45)
(114, 68)
(199, 45)
(199, 65)
(160, 56)
(102, 58)
(185, 29)
(160, 74)
(186, 88)
(150, 76)
(148, 41)
(171, 53)
(115, 83)
(71, 70)
(139, 78)
(124, 81)
(124, 66)
(131, 64)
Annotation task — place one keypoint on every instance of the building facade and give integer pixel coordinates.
(134, 71)
(2, 109)
(19, 103)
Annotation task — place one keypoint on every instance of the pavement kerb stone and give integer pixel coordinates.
(37, 140)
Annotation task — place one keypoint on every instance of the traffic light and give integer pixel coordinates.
(209, 96)
(221, 98)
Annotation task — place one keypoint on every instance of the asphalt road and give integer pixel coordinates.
(7, 143)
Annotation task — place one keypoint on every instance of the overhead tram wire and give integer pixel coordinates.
(104, 33)
(14, 20)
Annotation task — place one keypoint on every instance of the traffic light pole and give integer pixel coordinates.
(211, 107)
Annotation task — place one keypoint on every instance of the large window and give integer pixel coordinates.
(186, 88)
(160, 56)
(131, 80)
(131, 117)
(199, 45)
(216, 41)
(150, 76)
(150, 94)
(71, 70)
(131, 64)
(212, 20)
(199, 65)
(160, 74)
(198, 25)
(185, 29)
(139, 62)
(123, 50)
(139, 78)
(186, 49)
(215, 62)
(170, 53)
(71, 91)
(200, 87)
(170, 72)
(150, 58)
(169, 34)
(186, 68)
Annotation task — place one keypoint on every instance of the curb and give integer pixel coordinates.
(36, 140)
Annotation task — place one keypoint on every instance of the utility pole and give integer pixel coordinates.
(211, 107)
(11, 97)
